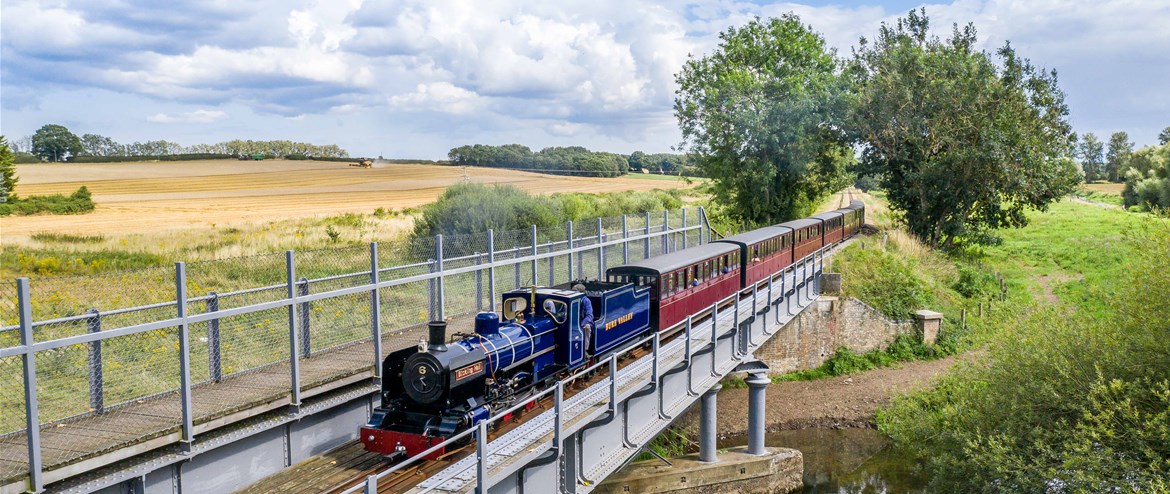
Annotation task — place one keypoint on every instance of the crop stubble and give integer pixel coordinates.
(151, 197)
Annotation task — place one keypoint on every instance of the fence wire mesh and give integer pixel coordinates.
(122, 299)
(13, 441)
(128, 384)
(140, 375)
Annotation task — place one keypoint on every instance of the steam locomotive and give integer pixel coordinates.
(439, 388)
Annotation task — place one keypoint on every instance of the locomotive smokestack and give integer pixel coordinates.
(438, 335)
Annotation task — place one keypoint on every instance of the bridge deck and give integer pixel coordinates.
(514, 449)
(97, 439)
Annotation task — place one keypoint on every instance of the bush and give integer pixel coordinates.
(473, 208)
(79, 202)
(974, 283)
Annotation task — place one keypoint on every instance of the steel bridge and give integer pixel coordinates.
(149, 377)
(583, 439)
(207, 420)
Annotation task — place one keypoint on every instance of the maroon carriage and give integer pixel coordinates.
(806, 236)
(832, 226)
(762, 252)
(683, 282)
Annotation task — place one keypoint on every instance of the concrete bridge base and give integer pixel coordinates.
(779, 470)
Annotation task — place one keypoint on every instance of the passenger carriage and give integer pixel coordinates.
(684, 282)
(806, 236)
(832, 226)
(762, 252)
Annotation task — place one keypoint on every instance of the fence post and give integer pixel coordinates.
(665, 229)
(214, 359)
(685, 232)
(293, 342)
(32, 420)
(376, 312)
(492, 270)
(439, 298)
(431, 291)
(96, 395)
(646, 241)
(535, 251)
(306, 339)
(188, 431)
(704, 222)
(625, 240)
(478, 283)
(516, 267)
(569, 242)
(600, 250)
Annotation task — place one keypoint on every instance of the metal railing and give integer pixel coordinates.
(327, 302)
(805, 281)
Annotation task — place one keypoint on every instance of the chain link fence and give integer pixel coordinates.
(243, 315)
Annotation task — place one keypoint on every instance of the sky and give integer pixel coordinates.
(413, 79)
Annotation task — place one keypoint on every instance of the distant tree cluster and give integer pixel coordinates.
(56, 143)
(1105, 161)
(1147, 178)
(573, 160)
(664, 164)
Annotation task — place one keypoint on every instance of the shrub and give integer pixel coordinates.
(472, 208)
(76, 203)
(974, 283)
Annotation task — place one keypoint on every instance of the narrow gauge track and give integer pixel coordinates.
(402, 480)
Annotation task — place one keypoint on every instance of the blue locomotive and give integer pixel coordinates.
(439, 389)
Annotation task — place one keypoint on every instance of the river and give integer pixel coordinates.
(853, 461)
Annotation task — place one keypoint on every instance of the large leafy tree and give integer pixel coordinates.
(55, 143)
(1117, 157)
(1092, 153)
(962, 144)
(1164, 136)
(761, 117)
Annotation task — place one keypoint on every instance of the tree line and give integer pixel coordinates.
(1111, 161)
(572, 160)
(56, 143)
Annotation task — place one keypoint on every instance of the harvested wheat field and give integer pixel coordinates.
(153, 197)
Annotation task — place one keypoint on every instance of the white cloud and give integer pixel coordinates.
(440, 96)
(594, 71)
(197, 116)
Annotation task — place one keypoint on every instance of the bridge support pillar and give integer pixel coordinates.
(708, 425)
(757, 384)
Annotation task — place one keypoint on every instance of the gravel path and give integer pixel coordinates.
(839, 402)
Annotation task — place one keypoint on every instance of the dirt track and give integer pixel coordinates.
(840, 402)
(149, 197)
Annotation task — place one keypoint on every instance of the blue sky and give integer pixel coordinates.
(416, 78)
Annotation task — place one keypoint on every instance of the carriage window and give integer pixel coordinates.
(670, 285)
(690, 276)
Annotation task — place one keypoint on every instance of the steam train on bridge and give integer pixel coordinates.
(439, 388)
